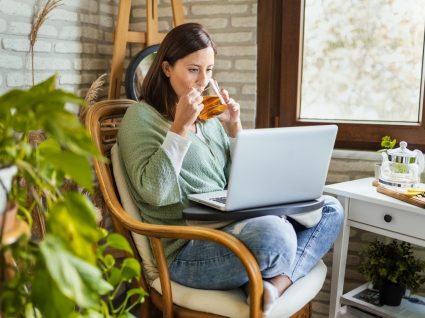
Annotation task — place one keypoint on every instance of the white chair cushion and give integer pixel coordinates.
(229, 303)
(142, 242)
(232, 303)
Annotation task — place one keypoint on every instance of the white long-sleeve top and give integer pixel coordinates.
(176, 147)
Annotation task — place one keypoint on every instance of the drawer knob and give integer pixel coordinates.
(388, 218)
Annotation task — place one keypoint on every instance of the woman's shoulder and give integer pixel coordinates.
(143, 114)
(142, 118)
(143, 110)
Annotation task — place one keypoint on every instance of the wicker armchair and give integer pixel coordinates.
(172, 299)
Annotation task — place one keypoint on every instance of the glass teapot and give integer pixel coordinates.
(401, 167)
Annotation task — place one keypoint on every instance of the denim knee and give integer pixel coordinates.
(273, 242)
(334, 210)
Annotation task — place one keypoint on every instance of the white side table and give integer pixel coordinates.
(369, 210)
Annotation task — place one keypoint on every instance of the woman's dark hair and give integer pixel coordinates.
(178, 43)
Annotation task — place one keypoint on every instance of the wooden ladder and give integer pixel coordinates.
(123, 35)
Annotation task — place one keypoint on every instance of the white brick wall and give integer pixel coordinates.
(67, 43)
(2, 25)
(15, 8)
(9, 61)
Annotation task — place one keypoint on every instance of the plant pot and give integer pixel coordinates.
(6, 177)
(391, 294)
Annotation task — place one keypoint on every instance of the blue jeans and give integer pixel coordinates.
(280, 246)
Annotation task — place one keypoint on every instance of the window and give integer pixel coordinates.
(356, 63)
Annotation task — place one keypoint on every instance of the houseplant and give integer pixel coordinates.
(69, 272)
(392, 268)
(386, 143)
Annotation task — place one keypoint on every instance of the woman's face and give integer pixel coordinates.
(192, 71)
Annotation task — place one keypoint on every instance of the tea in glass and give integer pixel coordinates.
(212, 107)
(214, 103)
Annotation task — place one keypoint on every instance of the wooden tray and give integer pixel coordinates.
(418, 200)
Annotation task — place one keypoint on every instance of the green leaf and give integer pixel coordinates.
(31, 312)
(73, 220)
(137, 291)
(126, 315)
(387, 142)
(45, 86)
(49, 147)
(130, 269)
(119, 242)
(56, 305)
(109, 261)
(75, 278)
(82, 210)
(76, 166)
(114, 276)
(92, 314)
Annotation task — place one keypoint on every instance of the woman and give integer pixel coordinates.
(168, 153)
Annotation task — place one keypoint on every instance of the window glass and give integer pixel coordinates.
(363, 60)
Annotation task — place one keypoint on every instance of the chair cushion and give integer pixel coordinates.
(142, 242)
(232, 303)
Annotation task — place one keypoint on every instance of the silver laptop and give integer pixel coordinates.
(275, 166)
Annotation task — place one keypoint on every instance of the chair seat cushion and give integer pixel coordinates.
(232, 303)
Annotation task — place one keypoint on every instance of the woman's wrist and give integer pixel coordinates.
(181, 130)
(233, 128)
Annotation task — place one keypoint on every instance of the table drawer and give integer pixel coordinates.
(395, 220)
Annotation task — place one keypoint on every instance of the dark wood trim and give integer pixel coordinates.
(290, 48)
(268, 56)
(278, 95)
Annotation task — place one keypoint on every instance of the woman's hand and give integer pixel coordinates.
(230, 119)
(187, 111)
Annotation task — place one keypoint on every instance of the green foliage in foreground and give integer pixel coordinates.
(69, 273)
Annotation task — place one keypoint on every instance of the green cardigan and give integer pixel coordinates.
(158, 192)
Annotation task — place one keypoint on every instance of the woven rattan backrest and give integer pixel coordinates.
(102, 121)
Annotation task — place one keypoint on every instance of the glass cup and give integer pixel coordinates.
(213, 101)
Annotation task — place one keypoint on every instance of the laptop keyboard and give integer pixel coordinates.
(219, 199)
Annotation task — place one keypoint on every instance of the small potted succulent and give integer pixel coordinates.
(392, 268)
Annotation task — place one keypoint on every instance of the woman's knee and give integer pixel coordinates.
(333, 210)
(272, 240)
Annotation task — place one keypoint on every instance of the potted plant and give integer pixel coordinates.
(69, 272)
(392, 268)
(386, 143)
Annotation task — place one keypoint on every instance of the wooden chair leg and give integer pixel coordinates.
(304, 312)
